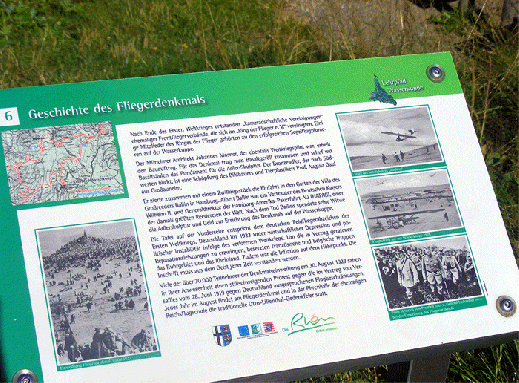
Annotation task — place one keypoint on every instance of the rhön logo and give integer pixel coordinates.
(300, 323)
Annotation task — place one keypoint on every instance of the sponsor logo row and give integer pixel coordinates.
(223, 336)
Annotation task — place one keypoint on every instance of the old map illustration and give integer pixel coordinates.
(61, 163)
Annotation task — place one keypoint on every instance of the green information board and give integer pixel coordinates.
(188, 226)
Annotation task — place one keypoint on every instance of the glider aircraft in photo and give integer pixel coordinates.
(401, 136)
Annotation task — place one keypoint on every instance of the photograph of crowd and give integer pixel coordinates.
(389, 138)
(427, 272)
(96, 291)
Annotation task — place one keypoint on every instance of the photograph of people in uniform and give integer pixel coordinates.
(427, 272)
(96, 291)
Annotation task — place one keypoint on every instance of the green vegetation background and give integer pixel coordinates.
(57, 41)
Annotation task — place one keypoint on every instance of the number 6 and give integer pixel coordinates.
(8, 116)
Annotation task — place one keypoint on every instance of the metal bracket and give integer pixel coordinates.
(506, 306)
(24, 376)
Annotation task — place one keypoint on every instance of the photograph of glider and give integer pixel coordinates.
(389, 138)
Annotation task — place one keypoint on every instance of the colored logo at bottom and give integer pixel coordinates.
(222, 335)
(256, 328)
(243, 330)
(268, 327)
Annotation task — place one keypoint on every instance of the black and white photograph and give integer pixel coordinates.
(409, 203)
(96, 291)
(427, 272)
(389, 138)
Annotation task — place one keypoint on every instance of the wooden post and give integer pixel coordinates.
(429, 369)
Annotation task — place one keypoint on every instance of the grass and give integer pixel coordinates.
(56, 41)
(495, 364)
(53, 41)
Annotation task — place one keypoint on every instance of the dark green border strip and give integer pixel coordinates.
(102, 362)
(436, 308)
(400, 238)
(427, 166)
